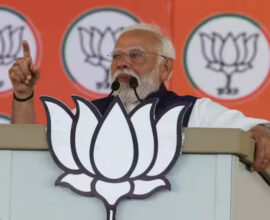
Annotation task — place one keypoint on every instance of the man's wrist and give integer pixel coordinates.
(23, 99)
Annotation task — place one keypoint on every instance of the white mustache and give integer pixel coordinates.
(127, 72)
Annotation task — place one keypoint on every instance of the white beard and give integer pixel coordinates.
(146, 84)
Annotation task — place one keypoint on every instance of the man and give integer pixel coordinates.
(143, 52)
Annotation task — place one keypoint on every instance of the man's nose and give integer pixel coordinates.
(124, 62)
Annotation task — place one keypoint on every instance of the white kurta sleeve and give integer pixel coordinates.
(207, 113)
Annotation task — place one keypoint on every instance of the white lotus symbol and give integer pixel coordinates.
(10, 44)
(97, 45)
(229, 55)
(115, 156)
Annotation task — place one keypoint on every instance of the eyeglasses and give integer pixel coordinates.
(135, 56)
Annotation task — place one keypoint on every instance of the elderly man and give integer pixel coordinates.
(143, 52)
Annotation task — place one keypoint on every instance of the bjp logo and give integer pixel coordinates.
(117, 155)
(11, 36)
(227, 57)
(87, 46)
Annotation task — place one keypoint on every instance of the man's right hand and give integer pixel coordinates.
(23, 74)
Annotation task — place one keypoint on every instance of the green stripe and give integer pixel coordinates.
(13, 12)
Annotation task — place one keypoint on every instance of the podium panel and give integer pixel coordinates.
(5, 180)
(207, 182)
(203, 187)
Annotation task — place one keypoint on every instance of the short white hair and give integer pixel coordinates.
(166, 45)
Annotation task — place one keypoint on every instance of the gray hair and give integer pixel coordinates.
(166, 47)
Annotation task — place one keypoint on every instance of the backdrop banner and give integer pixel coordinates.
(222, 48)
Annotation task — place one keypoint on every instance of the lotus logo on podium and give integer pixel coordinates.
(117, 155)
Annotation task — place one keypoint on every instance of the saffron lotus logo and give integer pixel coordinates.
(96, 45)
(87, 45)
(117, 155)
(14, 27)
(227, 57)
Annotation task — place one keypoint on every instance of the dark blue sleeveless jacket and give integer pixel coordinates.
(166, 100)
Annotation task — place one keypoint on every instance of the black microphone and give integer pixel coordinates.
(114, 87)
(133, 83)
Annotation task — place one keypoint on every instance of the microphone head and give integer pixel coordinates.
(115, 85)
(133, 82)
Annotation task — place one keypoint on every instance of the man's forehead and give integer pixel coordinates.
(137, 47)
(138, 38)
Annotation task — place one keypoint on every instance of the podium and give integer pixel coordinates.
(208, 182)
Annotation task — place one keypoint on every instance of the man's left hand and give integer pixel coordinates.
(261, 134)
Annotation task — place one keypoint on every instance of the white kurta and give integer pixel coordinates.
(207, 113)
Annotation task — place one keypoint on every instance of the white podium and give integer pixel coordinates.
(205, 185)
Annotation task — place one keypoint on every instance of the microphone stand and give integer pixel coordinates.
(133, 83)
(114, 87)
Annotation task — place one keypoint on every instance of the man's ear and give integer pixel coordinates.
(166, 67)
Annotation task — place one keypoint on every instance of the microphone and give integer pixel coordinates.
(133, 83)
(114, 87)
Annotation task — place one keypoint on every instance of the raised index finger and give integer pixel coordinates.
(26, 49)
